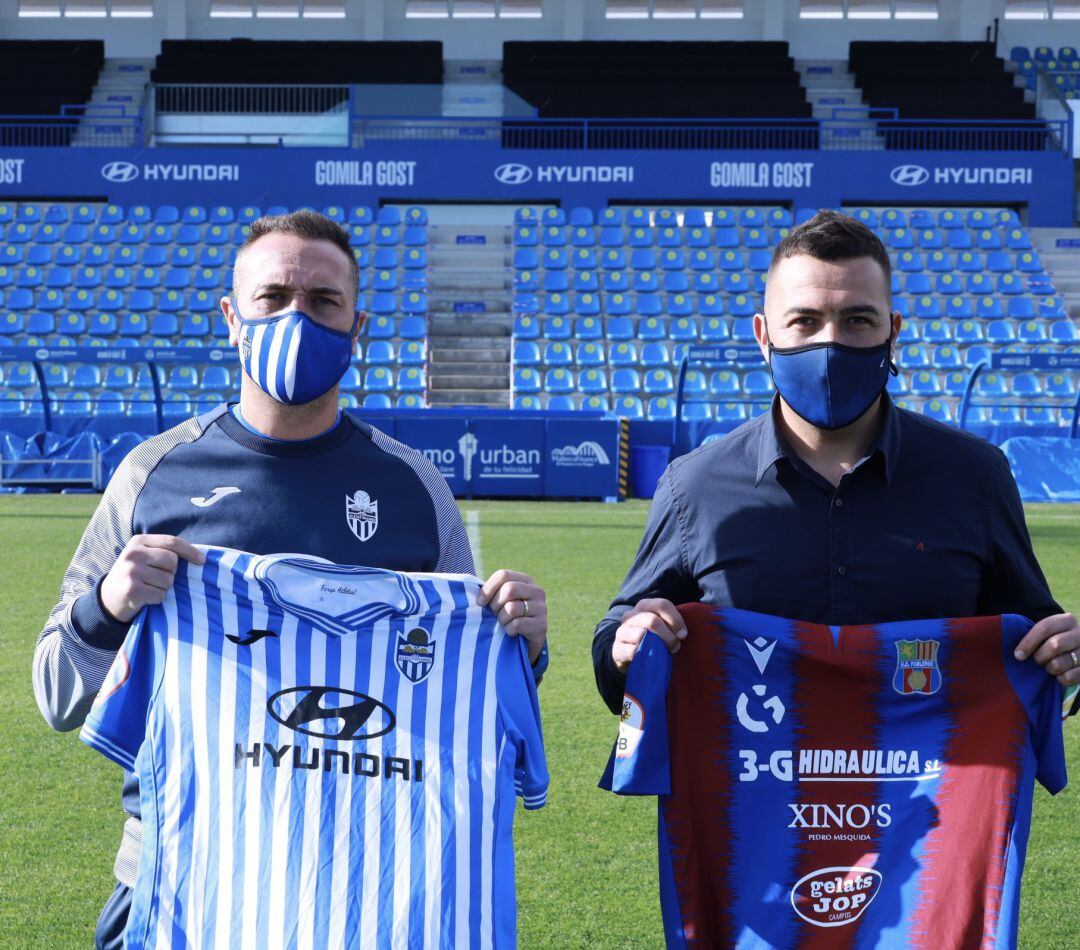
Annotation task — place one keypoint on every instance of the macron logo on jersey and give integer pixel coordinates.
(215, 496)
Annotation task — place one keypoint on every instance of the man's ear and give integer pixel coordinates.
(361, 319)
(761, 334)
(232, 318)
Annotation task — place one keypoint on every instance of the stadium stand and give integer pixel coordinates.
(40, 77)
(651, 80)
(107, 276)
(644, 284)
(943, 80)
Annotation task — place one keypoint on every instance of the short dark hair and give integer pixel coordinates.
(306, 224)
(831, 236)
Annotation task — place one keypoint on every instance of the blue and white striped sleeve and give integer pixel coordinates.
(519, 710)
(79, 640)
(116, 723)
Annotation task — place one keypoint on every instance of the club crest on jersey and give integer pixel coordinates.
(917, 667)
(362, 515)
(415, 654)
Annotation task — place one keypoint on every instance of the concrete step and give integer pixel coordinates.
(482, 352)
(480, 326)
(492, 379)
(468, 397)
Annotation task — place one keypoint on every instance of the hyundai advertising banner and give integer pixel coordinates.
(420, 171)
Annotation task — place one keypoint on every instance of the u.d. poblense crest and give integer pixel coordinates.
(362, 514)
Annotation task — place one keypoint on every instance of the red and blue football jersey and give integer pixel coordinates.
(863, 786)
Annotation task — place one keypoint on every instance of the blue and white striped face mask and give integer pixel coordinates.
(292, 358)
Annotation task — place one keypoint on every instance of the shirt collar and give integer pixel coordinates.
(772, 448)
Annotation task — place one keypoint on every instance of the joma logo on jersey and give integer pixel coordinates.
(917, 667)
(323, 711)
(415, 654)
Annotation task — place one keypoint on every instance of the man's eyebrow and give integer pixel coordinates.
(844, 311)
(262, 288)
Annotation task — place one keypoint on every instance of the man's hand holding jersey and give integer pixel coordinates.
(144, 572)
(521, 607)
(653, 614)
(1054, 643)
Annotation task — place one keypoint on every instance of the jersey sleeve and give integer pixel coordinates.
(116, 723)
(1041, 695)
(639, 762)
(519, 710)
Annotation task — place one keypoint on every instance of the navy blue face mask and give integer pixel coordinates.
(830, 385)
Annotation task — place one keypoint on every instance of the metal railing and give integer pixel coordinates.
(227, 99)
(93, 124)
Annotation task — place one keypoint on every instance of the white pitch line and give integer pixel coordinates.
(472, 528)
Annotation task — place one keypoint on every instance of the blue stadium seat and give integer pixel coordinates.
(968, 331)
(625, 380)
(1017, 239)
(526, 327)
(629, 407)
(380, 353)
(619, 328)
(989, 308)
(553, 236)
(992, 385)
(593, 381)
(740, 306)
(660, 409)
(645, 282)
(585, 281)
(1063, 331)
(411, 379)
(938, 410)
(586, 304)
(655, 355)
(558, 353)
(11, 324)
(713, 329)
(581, 217)
(610, 217)
(1027, 262)
(959, 308)
(526, 380)
(954, 383)
(1009, 284)
(557, 328)
(914, 356)
(1060, 386)
(945, 357)
(412, 353)
(377, 401)
(1031, 332)
(622, 353)
(558, 381)
(590, 353)
(527, 402)
(924, 383)
(974, 355)
(918, 284)
(725, 382)
(927, 308)
(742, 330)
(1026, 384)
(613, 259)
(757, 383)
(525, 216)
(669, 237)
(588, 328)
(936, 331)
(103, 325)
(378, 379)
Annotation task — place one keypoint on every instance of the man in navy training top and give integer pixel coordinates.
(835, 507)
(284, 471)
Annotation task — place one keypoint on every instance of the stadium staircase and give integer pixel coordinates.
(472, 88)
(832, 93)
(1059, 249)
(469, 321)
(121, 84)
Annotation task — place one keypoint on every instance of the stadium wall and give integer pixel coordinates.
(429, 171)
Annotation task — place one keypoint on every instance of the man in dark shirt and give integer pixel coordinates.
(835, 507)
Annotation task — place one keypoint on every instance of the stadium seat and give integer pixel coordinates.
(938, 410)
(558, 381)
(526, 327)
(661, 409)
(527, 402)
(758, 383)
(526, 380)
(590, 353)
(377, 401)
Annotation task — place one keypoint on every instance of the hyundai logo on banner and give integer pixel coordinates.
(910, 175)
(513, 173)
(119, 171)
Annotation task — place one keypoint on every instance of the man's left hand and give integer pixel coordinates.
(521, 607)
(1054, 643)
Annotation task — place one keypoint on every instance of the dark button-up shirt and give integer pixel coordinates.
(928, 525)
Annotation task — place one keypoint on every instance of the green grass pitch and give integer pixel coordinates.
(586, 873)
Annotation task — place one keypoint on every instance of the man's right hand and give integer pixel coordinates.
(144, 572)
(656, 615)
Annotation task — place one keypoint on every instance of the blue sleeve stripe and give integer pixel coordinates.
(107, 747)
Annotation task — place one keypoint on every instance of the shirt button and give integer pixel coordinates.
(842, 569)
(839, 502)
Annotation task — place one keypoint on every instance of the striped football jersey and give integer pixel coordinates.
(841, 787)
(327, 756)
